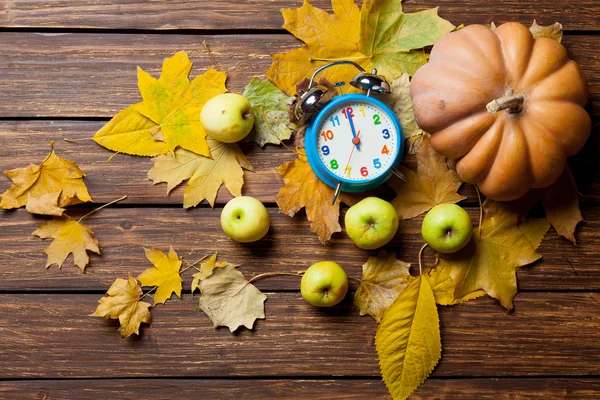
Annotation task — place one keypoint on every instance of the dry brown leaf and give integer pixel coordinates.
(401, 102)
(383, 279)
(301, 188)
(433, 183)
(561, 203)
(164, 275)
(70, 236)
(554, 31)
(46, 204)
(123, 303)
(228, 299)
(491, 259)
(206, 270)
(206, 175)
(54, 174)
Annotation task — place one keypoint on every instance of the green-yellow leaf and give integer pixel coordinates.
(165, 274)
(206, 270)
(491, 260)
(70, 237)
(444, 287)
(205, 174)
(131, 132)
(270, 112)
(38, 182)
(433, 183)
(123, 303)
(554, 31)
(228, 299)
(383, 279)
(408, 339)
(379, 36)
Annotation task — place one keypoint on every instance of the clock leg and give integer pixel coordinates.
(336, 194)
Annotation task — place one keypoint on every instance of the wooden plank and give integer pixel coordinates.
(263, 14)
(54, 336)
(298, 389)
(93, 75)
(24, 142)
(289, 247)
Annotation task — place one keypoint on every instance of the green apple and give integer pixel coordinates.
(227, 117)
(371, 223)
(324, 284)
(447, 228)
(245, 219)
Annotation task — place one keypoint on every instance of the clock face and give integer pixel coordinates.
(357, 141)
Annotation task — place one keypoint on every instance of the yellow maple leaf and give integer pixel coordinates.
(53, 175)
(379, 36)
(302, 188)
(491, 259)
(401, 102)
(408, 340)
(383, 279)
(165, 274)
(206, 269)
(123, 303)
(433, 183)
(70, 236)
(561, 204)
(46, 204)
(169, 115)
(205, 174)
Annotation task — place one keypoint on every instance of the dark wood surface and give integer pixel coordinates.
(66, 67)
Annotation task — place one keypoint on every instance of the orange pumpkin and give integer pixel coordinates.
(508, 106)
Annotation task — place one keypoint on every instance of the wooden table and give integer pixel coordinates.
(66, 67)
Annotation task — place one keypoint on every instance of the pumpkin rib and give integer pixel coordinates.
(451, 141)
(543, 173)
(566, 83)
(537, 71)
(516, 43)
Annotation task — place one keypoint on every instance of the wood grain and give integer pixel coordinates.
(298, 389)
(94, 75)
(264, 14)
(289, 247)
(24, 142)
(54, 336)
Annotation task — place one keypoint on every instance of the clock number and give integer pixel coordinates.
(347, 111)
(347, 171)
(334, 164)
(327, 135)
(334, 120)
(376, 120)
(325, 150)
(384, 150)
(376, 163)
(386, 134)
(362, 111)
(364, 171)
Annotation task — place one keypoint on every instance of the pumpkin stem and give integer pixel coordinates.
(511, 102)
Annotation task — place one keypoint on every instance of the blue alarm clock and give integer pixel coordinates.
(353, 142)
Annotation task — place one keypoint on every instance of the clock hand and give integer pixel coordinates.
(347, 169)
(355, 139)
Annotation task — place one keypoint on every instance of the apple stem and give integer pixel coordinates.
(268, 274)
(101, 207)
(420, 254)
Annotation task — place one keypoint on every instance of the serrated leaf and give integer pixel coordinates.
(400, 101)
(54, 174)
(46, 204)
(70, 237)
(131, 132)
(408, 339)
(554, 31)
(228, 299)
(383, 279)
(205, 174)
(302, 189)
(561, 203)
(270, 107)
(123, 303)
(206, 269)
(491, 260)
(433, 183)
(379, 36)
(165, 274)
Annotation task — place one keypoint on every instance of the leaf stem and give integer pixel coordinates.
(192, 265)
(420, 254)
(77, 140)
(268, 274)
(148, 292)
(480, 209)
(210, 55)
(101, 207)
